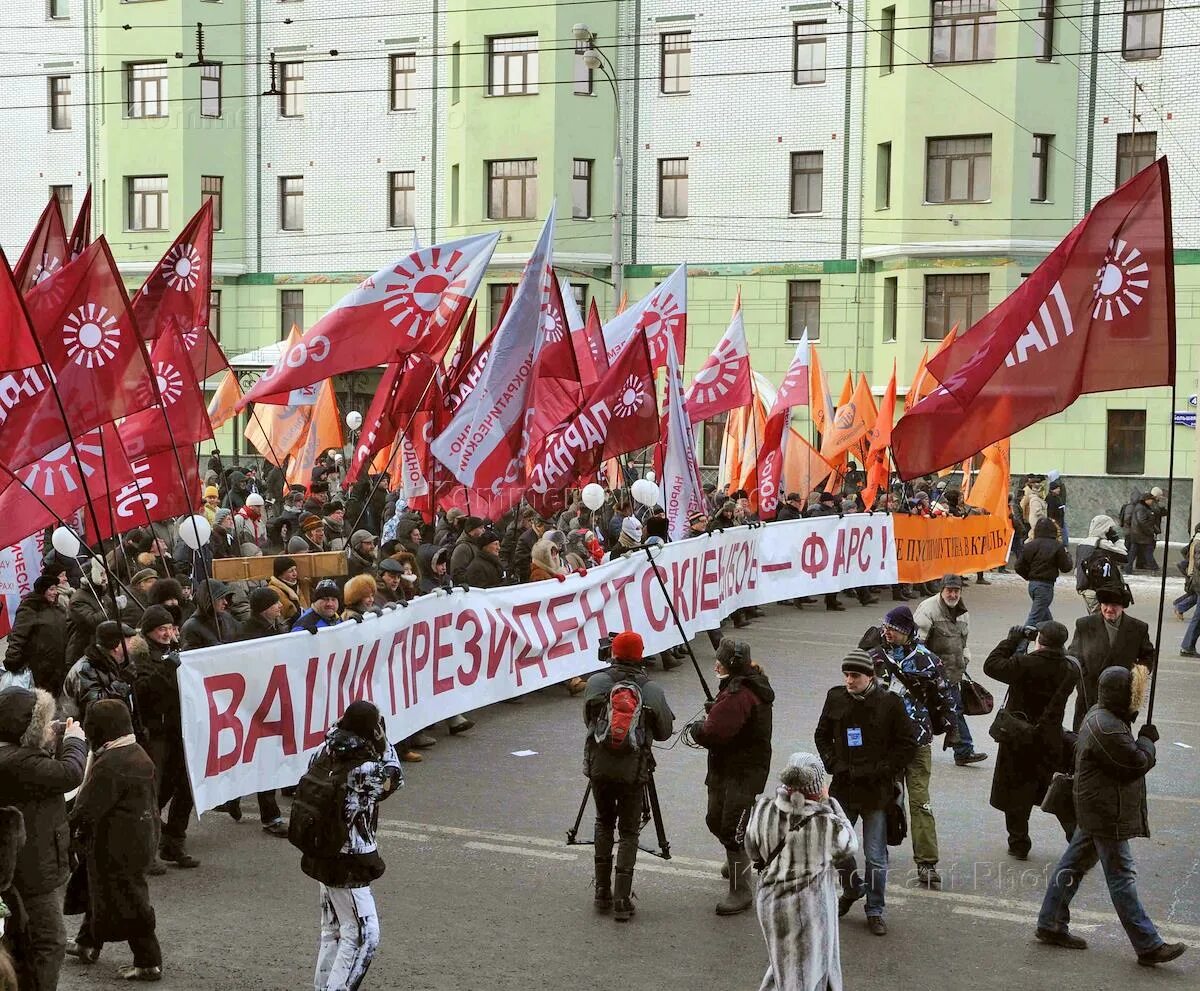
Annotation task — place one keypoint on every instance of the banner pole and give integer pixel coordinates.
(1162, 588)
(687, 641)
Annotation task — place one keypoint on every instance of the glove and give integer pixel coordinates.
(171, 660)
(708, 706)
(1016, 633)
(1150, 732)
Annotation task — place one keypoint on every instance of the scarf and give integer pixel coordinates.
(865, 693)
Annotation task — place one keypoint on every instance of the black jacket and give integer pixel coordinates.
(157, 691)
(85, 612)
(256, 627)
(484, 571)
(737, 730)
(1111, 765)
(200, 630)
(1043, 559)
(522, 559)
(1039, 684)
(865, 745)
(38, 641)
(1091, 648)
(98, 675)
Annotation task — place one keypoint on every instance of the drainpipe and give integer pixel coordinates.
(1091, 117)
(433, 144)
(862, 190)
(634, 154)
(258, 88)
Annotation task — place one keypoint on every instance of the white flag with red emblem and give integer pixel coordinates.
(416, 304)
(662, 313)
(682, 490)
(723, 382)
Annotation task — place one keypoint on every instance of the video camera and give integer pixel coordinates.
(604, 651)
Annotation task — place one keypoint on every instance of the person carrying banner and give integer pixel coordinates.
(624, 712)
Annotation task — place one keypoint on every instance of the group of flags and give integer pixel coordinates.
(101, 403)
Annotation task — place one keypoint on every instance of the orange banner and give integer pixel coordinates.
(928, 549)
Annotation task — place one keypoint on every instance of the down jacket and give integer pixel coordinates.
(944, 631)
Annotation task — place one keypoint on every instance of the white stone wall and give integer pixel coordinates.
(33, 48)
(738, 127)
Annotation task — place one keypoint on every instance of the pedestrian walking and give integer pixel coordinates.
(1108, 638)
(1099, 560)
(1110, 802)
(795, 839)
(1042, 560)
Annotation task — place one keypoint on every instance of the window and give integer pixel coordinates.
(66, 202)
(583, 76)
(146, 89)
(291, 96)
(672, 187)
(887, 41)
(212, 187)
(959, 170)
(808, 170)
(147, 203)
(1045, 29)
(579, 292)
(883, 175)
(60, 103)
(675, 63)
(512, 189)
(454, 209)
(404, 72)
(713, 437)
(1141, 33)
(58, 9)
(808, 52)
(889, 309)
(513, 65)
(291, 203)
(963, 31)
(214, 314)
(1126, 448)
(291, 311)
(581, 189)
(455, 73)
(497, 294)
(1041, 167)
(1134, 153)
(402, 196)
(804, 309)
(210, 91)
(953, 299)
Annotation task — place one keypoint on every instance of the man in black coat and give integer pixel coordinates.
(1039, 684)
(1110, 802)
(865, 740)
(1106, 638)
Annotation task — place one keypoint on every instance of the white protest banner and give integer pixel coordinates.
(20, 564)
(254, 712)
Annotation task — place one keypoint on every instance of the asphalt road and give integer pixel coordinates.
(482, 893)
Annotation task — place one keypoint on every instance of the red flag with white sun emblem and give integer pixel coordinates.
(621, 415)
(93, 355)
(157, 490)
(178, 417)
(723, 382)
(1097, 314)
(557, 392)
(662, 311)
(175, 293)
(46, 251)
(416, 304)
(18, 348)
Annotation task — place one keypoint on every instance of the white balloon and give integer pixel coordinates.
(354, 419)
(650, 476)
(593, 496)
(194, 531)
(65, 541)
(645, 492)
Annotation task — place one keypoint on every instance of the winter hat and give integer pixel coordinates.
(110, 633)
(262, 598)
(804, 773)
(358, 589)
(16, 712)
(827, 497)
(107, 720)
(217, 590)
(391, 565)
(471, 522)
(249, 548)
(632, 528)
(489, 536)
(952, 581)
(43, 583)
(282, 564)
(901, 618)
(211, 492)
(858, 662)
(1052, 634)
(656, 526)
(144, 575)
(164, 590)
(734, 655)
(154, 617)
(310, 522)
(627, 646)
(697, 518)
(326, 589)
(1112, 596)
(359, 537)
(334, 506)
(255, 501)
(361, 718)
(556, 537)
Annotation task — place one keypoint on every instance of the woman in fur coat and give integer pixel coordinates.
(794, 839)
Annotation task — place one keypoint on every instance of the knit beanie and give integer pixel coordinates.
(901, 618)
(154, 617)
(107, 720)
(804, 773)
(858, 662)
(43, 583)
(627, 646)
(262, 598)
(282, 564)
(310, 522)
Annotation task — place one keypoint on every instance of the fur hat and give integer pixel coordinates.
(734, 655)
(282, 564)
(165, 589)
(804, 773)
(358, 588)
(627, 646)
(43, 583)
(262, 598)
(1112, 596)
(12, 838)
(221, 515)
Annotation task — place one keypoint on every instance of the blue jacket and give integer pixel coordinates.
(310, 620)
(914, 673)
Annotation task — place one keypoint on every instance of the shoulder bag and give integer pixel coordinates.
(1059, 799)
(976, 700)
(1011, 727)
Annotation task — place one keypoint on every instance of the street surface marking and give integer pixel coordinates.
(521, 851)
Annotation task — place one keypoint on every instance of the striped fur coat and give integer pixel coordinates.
(797, 893)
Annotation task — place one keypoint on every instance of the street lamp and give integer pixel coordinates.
(594, 58)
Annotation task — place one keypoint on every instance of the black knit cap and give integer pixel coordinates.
(156, 616)
(282, 564)
(107, 720)
(360, 718)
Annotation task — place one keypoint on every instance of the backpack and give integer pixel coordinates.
(1101, 571)
(317, 823)
(619, 728)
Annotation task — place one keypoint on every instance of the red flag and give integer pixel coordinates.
(1097, 314)
(879, 439)
(57, 485)
(45, 253)
(594, 331)
(18, 348)
(793, 391)
(81, 232)
(723, 381)
(175, 293)
(578, 330)
(414, 305)
(662, 311)
(93, 352)
(466, 346)
(621, 415)
(407, 387)
(557, 393)
(179, 417)
(155, 492)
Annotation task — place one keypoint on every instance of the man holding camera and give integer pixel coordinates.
(1107, 638)
(625, 712)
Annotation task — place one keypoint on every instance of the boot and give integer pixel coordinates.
(623, 896)
(669, 660)
(740, 622)
(602, 901)
(714, 637)
(738, 899)
(576, 686)
(171, 850)
(459, 724)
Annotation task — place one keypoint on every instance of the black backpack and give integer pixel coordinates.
(1100, 570)
(317, 823)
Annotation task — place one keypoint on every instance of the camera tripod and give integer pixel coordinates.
(650, 811)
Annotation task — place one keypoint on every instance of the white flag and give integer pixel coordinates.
(683, 493)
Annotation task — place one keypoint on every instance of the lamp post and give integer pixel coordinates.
(594, 58)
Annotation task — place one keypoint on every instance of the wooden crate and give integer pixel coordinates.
(311, 568)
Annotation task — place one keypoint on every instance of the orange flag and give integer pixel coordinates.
(221, 406)
(850, 422)
(990, 491)
(869, 414)
(803, 468)
(274, 431)
(923, 382)
(879, 438)
(324, 432)
(819, 404)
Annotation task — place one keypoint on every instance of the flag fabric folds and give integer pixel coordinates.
(793, 391)
(45, 253)
(179, 417)
(661, 313)
(879, 440)
(223, 405)
(723, 381)
(324, 432)
(18, 348)
(682, 491)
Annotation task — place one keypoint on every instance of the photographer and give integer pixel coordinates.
(618, 761)
(1039, 684)
(737, 735)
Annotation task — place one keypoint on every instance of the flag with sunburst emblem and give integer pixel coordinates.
(175, 295)
(662, 313)
(178, 417)
(723, 381)
(1098, 314)
(45, 253)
